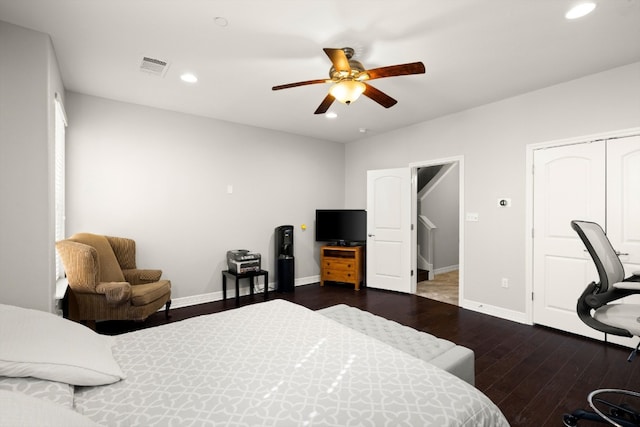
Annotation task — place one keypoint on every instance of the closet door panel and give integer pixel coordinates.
(569, 183)
(623, 199)
(623, 209)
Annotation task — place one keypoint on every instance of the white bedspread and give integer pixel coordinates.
(276, 364)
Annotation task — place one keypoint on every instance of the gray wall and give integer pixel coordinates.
(492, 139)
(441, 206)
(29, 78)
(161, 178)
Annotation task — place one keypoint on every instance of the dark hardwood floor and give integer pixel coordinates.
(534, 374)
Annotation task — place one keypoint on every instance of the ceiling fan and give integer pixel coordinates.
(348, 77)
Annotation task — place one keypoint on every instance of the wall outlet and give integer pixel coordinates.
(505, 282)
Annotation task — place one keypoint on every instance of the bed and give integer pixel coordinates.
(268, 364)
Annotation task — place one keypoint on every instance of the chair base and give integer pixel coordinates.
(572, 419)
(618, 414)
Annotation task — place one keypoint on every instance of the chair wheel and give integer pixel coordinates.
(569, 420)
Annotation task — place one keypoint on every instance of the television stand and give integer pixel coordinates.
(344, 264)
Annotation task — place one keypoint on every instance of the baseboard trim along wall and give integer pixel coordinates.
(231, 292)
(492, 310)
(479, 307)
(447, 269)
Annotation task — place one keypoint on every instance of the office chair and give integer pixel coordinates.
(618, 319)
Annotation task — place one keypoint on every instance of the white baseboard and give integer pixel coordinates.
(231, 293)
(447, 269)
(492, 310)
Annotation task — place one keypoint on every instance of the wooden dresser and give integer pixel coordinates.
(342, 264)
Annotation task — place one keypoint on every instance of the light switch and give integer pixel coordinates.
(229, 189)
(472, 216)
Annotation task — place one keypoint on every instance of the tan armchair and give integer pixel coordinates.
(105, 282)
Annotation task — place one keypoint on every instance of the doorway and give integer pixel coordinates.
(437, 246)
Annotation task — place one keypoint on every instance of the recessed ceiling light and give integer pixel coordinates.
(331, 115)
(580, 10)
(188, 78)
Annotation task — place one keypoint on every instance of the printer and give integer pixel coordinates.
(242, 261)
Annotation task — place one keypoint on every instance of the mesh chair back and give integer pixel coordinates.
(610, 269)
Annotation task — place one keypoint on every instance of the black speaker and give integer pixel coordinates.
(284, 259)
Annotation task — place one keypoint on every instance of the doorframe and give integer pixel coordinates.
(530, 149)
(414, 166)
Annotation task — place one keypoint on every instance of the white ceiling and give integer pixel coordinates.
(475, 52)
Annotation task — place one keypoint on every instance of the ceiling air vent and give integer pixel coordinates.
(157, 67)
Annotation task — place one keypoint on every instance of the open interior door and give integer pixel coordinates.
(389, 229)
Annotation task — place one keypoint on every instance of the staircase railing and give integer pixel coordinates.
(426, 244)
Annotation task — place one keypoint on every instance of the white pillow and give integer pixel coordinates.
(38, 344)
(22, 410)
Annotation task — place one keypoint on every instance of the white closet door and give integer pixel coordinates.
(623, 208)
(569, 183)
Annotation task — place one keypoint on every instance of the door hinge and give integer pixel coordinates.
(531, 296)
(411, 273)
(411, 227)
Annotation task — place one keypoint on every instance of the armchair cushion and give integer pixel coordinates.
(149, 292)
(109, 268)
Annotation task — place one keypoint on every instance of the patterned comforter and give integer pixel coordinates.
(276, 364)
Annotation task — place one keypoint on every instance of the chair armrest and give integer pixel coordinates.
(137, 276)
(632, 286)
(80, 265)
(115, 292)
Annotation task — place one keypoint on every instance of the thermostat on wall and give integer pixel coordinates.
(504, 203)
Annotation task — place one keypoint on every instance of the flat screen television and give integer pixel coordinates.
(341, 226)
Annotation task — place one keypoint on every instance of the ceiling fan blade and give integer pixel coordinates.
(325, 104)
(308, 82)
(338, 59)
(380, 97)
(395, 70)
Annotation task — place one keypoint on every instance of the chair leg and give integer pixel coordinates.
(167, 315)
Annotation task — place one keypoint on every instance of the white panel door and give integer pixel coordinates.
(623, 209)
(389, 229)
(569, 183)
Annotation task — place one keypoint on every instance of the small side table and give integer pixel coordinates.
(249, 275)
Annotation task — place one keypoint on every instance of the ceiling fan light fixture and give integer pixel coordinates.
(347, 91)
